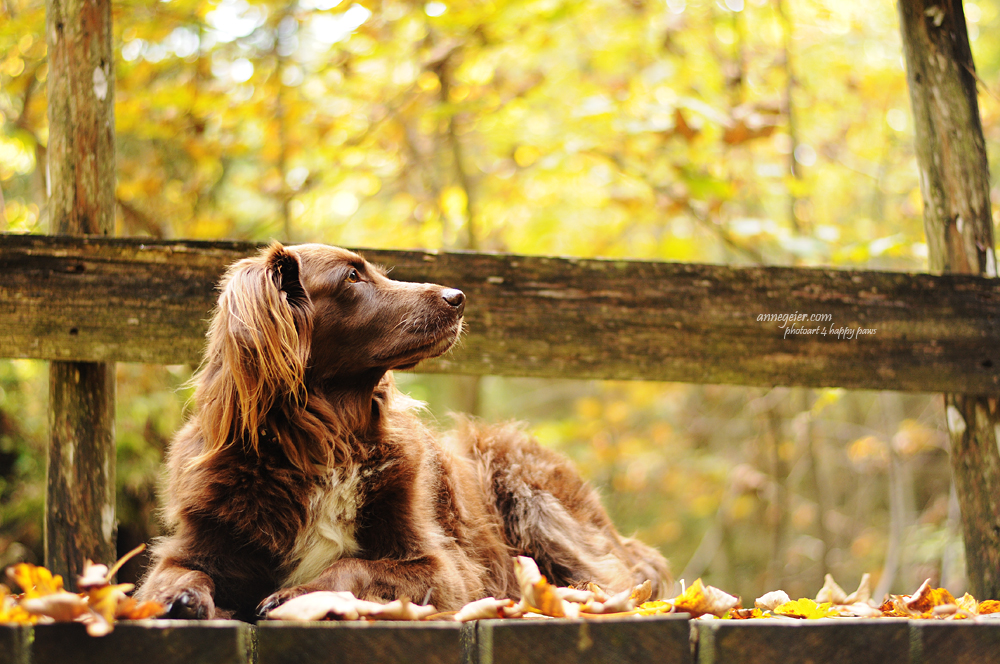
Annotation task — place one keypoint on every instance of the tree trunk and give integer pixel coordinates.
(80, 502)
(954, 182)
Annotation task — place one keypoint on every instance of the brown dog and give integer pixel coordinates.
(304, 468)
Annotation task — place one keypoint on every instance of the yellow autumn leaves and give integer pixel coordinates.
(98, 604)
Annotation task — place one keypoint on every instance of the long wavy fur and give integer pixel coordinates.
(253, 381)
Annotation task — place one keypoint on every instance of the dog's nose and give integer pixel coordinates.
(454, 297)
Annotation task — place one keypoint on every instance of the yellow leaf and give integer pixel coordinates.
(700, 599)
(806, 608)
(35, 581)
(11, 611)
(655, 607)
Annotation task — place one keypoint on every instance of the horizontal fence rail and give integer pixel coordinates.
(140, 300)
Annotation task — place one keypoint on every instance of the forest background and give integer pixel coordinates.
(770, 132)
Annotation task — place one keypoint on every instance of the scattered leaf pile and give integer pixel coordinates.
(98, 604)
(540, 599)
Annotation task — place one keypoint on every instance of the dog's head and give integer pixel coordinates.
(309, 318)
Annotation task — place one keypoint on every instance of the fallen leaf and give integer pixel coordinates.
(486, 608)
(11, 611)
(317, 606)
(401, 609)
(600, 594)
(863, 593)
(35, 581)
(130, 609)
(655, 607)
(769, 601)
(623, 602)
(926, 598)
(806, 608)
(575, 595)
(968, 604)
(830, 592)
(642, 592)
(988, 606)
(744, 614)
(700, 599)
(61, 606)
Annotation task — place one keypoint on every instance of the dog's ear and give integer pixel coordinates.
(259, 345)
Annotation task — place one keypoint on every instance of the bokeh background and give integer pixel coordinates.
(732, 131)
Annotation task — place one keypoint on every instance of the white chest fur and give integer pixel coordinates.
(329, 532)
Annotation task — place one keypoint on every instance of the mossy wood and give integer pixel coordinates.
(131, 300)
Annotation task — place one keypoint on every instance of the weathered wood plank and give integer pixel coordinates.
(955, 641)
(147, 642)
(664, 640)
(139, 301)
(353, 642)
(842, 640)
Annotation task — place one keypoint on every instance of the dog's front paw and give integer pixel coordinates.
(184, 596)
(190, 604)
(277, 599)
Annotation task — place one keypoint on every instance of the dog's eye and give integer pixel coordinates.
(353, 277)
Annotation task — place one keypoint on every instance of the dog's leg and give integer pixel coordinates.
(184, 593)
(384, 580)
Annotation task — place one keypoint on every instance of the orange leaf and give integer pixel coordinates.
(989, 606)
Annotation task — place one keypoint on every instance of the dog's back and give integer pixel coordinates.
(549, 513)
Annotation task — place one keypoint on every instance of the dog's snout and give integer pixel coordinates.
(454, 297)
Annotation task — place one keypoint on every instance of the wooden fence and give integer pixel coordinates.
(132, 300)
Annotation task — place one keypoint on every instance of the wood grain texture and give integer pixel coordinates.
(103, 299)
(955, 185)
(80, 502)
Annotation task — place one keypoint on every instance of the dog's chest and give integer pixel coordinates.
(329, 532)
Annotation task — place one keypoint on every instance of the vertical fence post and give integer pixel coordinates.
(80, 503)
(955, 185)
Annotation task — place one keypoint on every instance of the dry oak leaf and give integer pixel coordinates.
(623, 602)
(807, 609)
(540, 595)
(830, 592)
(770, 601)
(921, 604)
(319, 605)
(323, 605)
(642, 592)
(857, 605)
(700, 599)
(926, 598)
(402, 609)
(744, 614)
(489, 607)
(58, 607)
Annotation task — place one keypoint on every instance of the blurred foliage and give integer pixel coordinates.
(733, 131)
